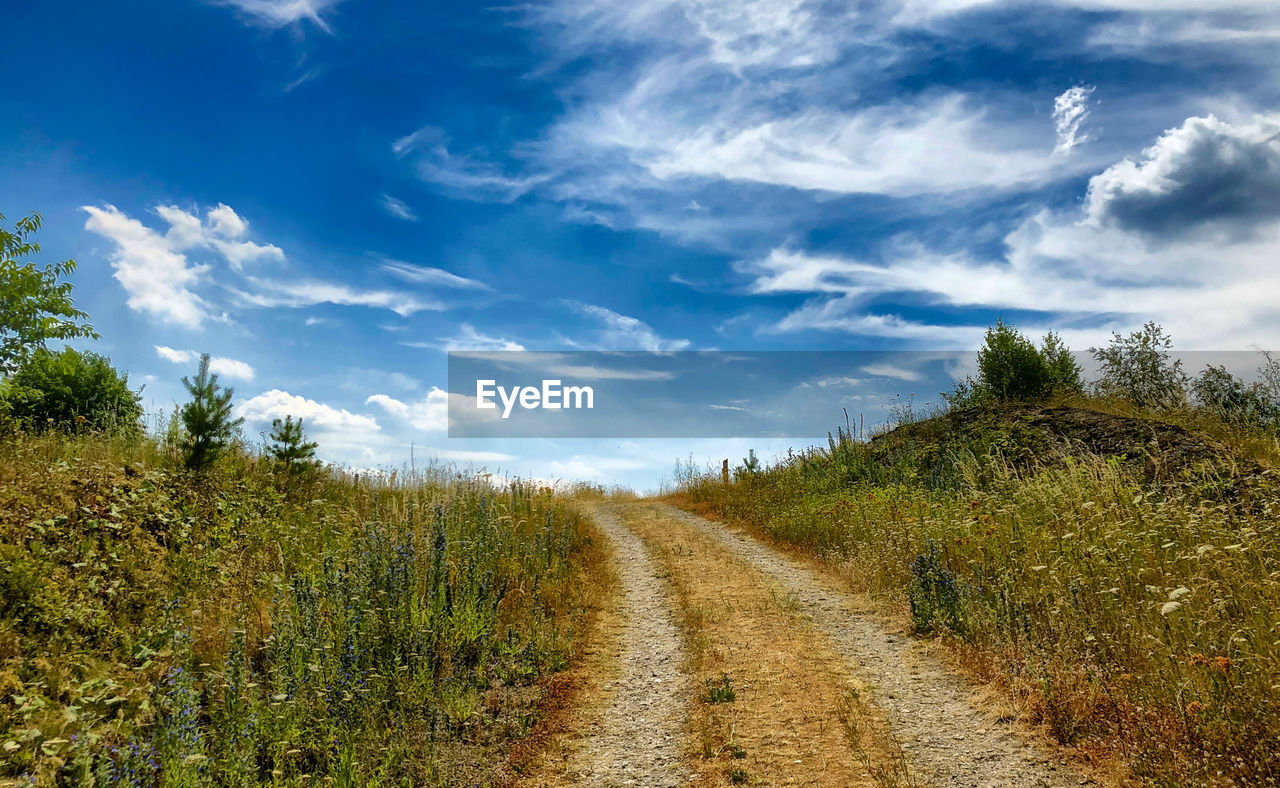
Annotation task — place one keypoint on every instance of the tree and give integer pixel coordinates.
(750, 465)
(1012, 369)
(1231, 399)
(35, 306)
(1139, 368)
(289, 446)
(206, 419)
(72, 390)
(1062, 371)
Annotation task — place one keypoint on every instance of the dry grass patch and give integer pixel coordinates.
(783, 725)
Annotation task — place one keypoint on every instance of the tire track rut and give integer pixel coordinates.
(638, 738)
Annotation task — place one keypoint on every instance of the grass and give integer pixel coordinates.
(1129, 614)
(243, 628)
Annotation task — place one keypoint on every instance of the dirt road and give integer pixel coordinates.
(736, 664)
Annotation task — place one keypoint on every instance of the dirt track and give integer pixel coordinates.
(799, 648)
(637, 738)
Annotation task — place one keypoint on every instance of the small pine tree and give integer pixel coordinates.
(206, 419)
(289, 446)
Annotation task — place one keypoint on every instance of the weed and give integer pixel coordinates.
(720, 690)
(738, 776)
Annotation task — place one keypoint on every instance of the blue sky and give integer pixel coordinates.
(327, 195)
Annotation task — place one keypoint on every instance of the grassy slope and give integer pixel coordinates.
(1132, 602)
(245, 628)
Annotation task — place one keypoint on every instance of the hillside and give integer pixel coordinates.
(1100, 569)
(255, 624)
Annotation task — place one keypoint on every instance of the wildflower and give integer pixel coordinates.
(1223, 664)
(1197, 659)
(1195, 707)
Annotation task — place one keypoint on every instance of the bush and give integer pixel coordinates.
(1012, 369)
(70, 390)
(1232, 400)
(1138, 368)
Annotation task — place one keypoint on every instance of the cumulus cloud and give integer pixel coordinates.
(158, 277)
(339, 432)
(429, 414)
(398, 208)
(220, 365)
(155, 270)
(1070, 111)
(1205, 171)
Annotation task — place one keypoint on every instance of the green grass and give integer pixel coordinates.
(1132, 615)
(247, 629)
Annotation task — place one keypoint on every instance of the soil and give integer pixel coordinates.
(637, 734)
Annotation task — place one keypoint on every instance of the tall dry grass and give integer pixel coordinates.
(1129, 615)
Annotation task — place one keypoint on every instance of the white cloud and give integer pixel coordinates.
(159, 279)
(421, 274)
(476, 177)
(465, 455)
(398, 208)
(309, 292)
(429, 414)
(1205, 171)
(339, 431)
(938, 144)
(226, 222)
(155, 269)
(468, 338)
(622, 332)
(585, 466)
(220, 365)
(220, 230)
(1103, 266)
(281, 13)
(891, 371)
(1070, 111)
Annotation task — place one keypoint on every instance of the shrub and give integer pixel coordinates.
(1232, 400)
(1138, 368)
(206, 419)
(70, 390)
(933, 594)
(1012, 369)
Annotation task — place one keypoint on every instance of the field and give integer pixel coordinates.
(1127, 597)
(254, 626)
